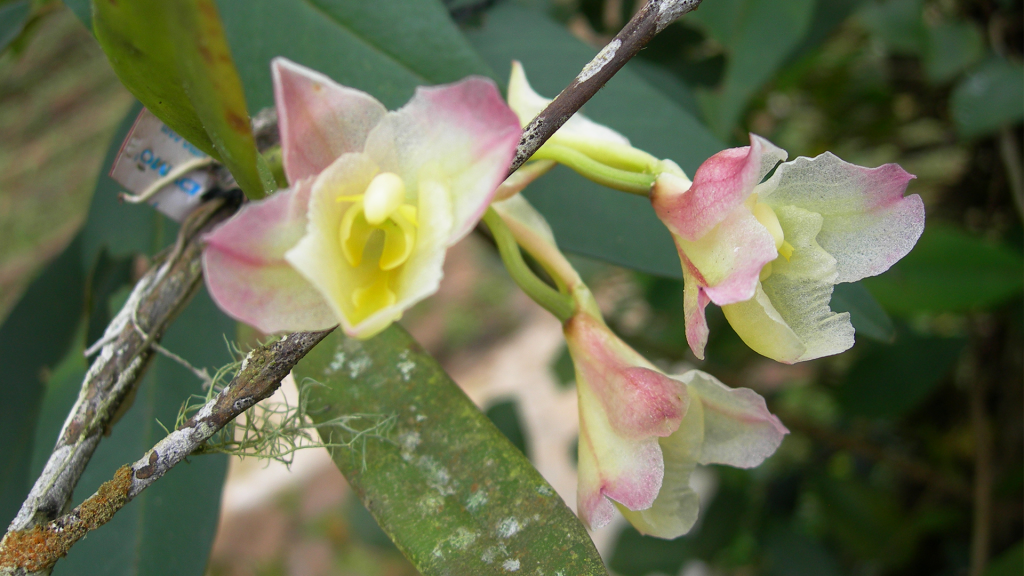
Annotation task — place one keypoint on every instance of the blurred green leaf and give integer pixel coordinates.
(867, 522)
(759, 35)
(587, 218)
(13, 16)
(385, 47)
(638, 555)
(505, 417)
(563, 368)
(866, 314)
(989, 97)
(119, 228)
(82, 9)
(107, 276)
(889, 381)
(34, 337)
(897, 23)
(447, 487)
(791, 553)
(1009, 563)
(949, 271)
(952, 47)
(174, 58)
(167, 530)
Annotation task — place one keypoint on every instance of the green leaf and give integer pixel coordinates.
(445, 485)
(949, 271)
(952, 48)
(120, 228)
(13, 16)
(587, 218)
(174, 58)
(889, 381)
(759, 35)
(169, 528)
(82, 9)
(35, 336)
(866, 314)
(505, 417)
(898, 24)
(989, 97)
(386, 47)
(790, 553)
(1009, 563)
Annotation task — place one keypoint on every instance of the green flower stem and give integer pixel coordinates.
(614, 154)
(622, 180)
(561, 305)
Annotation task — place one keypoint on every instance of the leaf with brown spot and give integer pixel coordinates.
(174, 58)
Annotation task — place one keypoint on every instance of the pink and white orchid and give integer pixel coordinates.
(642, 433)
(771, 252)
(376, 198)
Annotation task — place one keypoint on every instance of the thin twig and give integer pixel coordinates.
(123, 357)
(35, 550)
(654, 17)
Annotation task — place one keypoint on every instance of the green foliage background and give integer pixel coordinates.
(880, 473)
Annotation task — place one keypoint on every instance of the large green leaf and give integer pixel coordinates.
(866, 314)
(759, 35)
(453, 494)
(119, 228)
(587, 218)
(889, 381)
(952, 47)
(13, 17)
(949, 271)
(35, 336)
(385, 47)
(989, 98)
(169, 528)
(174, 58)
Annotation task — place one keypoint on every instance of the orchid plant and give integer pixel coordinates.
(377, 197)
(354, 231)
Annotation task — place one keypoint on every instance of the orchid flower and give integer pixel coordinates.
(376, 199)
(771, 252)
(594, 150)
(642, 433)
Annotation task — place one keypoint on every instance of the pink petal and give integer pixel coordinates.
(868, 223)
(247, 275)
(738, 428)
(695, 300)
(721, 183)
(319, 119)
(728, 259)
(639, 402)
(463, 133)
(629, 472)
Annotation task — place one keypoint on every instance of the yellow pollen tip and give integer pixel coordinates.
(384, 195)
(766, 216)
(786, 250)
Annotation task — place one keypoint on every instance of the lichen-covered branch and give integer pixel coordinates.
(35, 550)
(654, 17)
(124, 352)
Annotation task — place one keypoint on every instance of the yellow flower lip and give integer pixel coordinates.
(382, 207)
